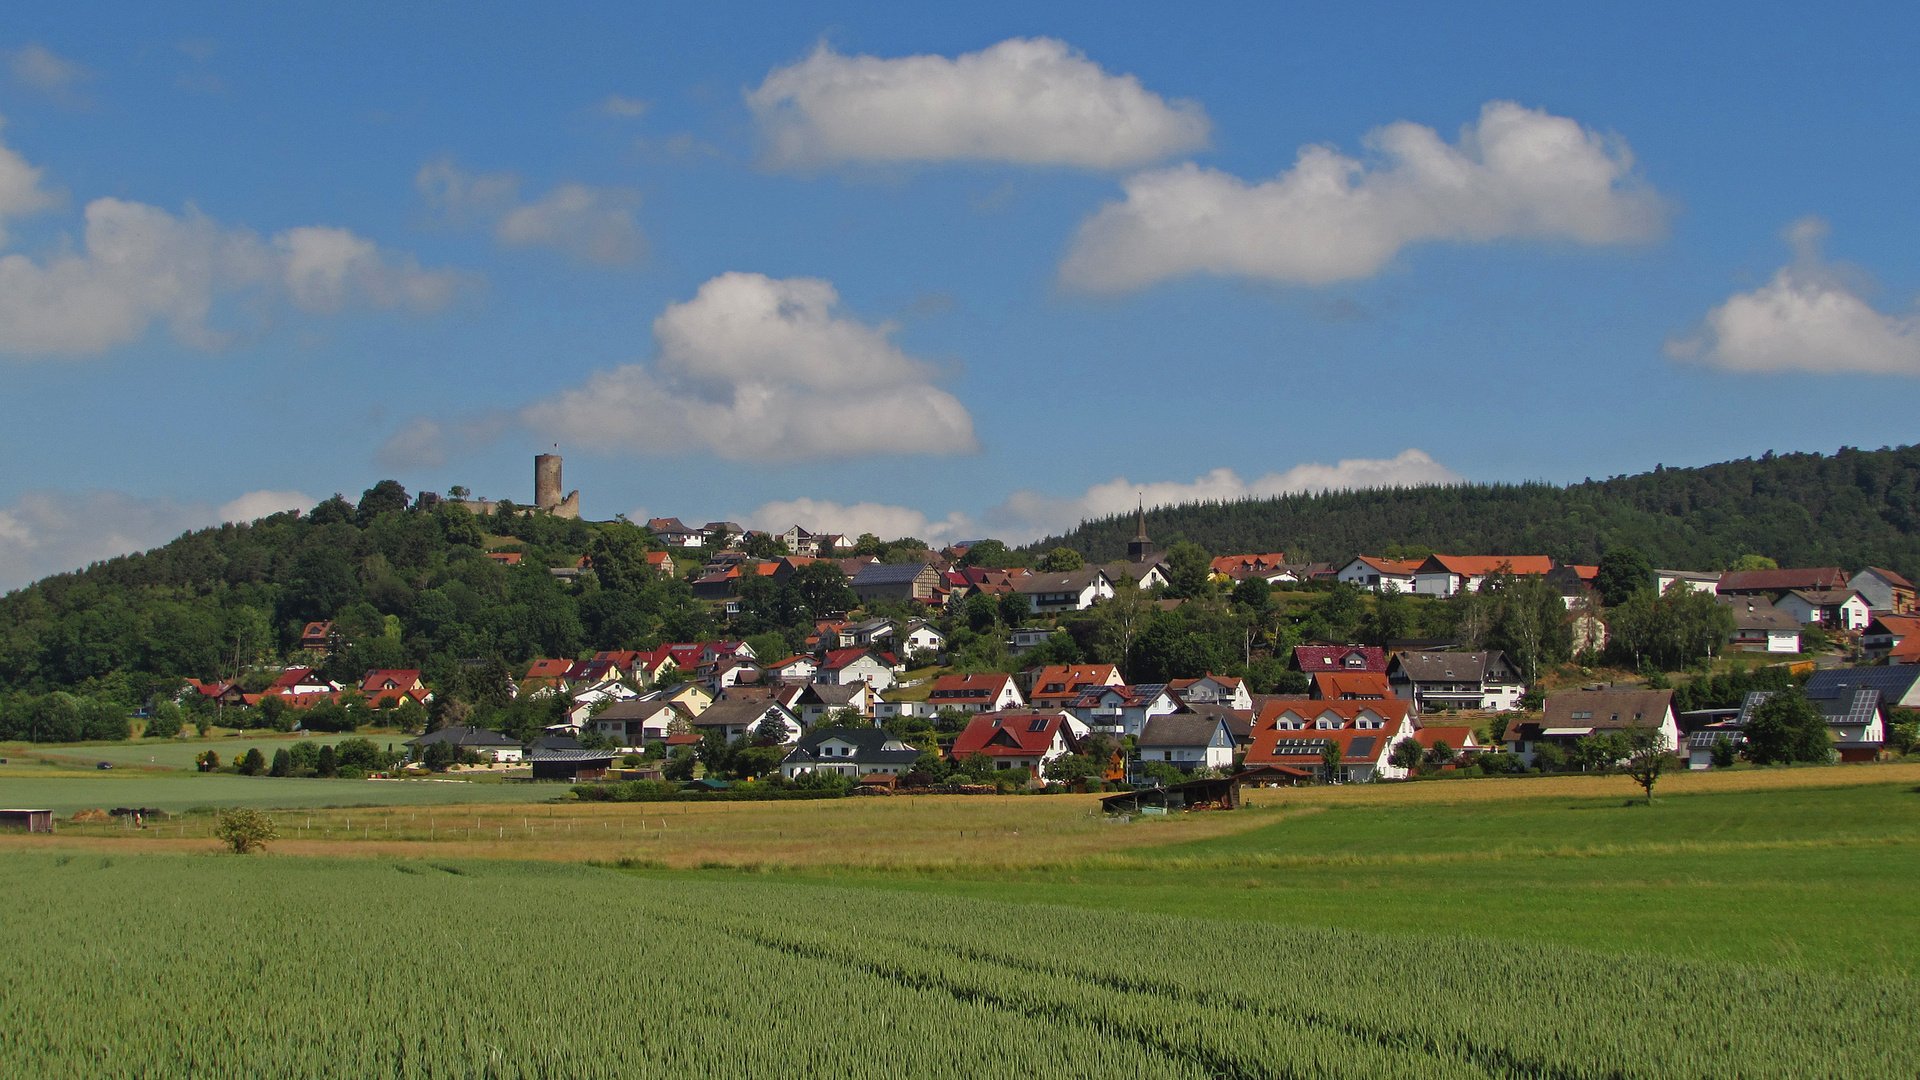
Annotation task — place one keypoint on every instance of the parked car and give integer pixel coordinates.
(104, 765)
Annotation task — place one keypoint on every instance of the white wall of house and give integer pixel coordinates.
(1371, 577)
(1436, 584)
(866, 669)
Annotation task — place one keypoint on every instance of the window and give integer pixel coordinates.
(1038, 723)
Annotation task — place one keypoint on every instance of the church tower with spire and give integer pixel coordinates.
(1140, 549)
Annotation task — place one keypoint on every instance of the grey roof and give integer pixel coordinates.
(889, 573)
(1758, 613)
(633, 709)
(573, 755)
(1051, 583)
(1180, 729)
(1894, 681)
(460, 735)
(1452, 666)
(1858, 707)
(743, 713)
(1239, 721)
(871, 746)
(831, 695)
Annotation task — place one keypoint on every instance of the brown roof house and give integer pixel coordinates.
(1573, 714)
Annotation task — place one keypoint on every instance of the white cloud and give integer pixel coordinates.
(425, 443)
(46, 532)
(37, 66)
(591, 224)
(20, 190)
(886, 522)
(616, 105)
(755, 368)
(258, 504)
(1518, 174)
(140, 264)
(1029, 101)
(1810, 317)
(1026, 516)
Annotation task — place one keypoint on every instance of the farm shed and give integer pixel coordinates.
(571, 764)
(31, 820)
(1274, 776)
(1190, 795)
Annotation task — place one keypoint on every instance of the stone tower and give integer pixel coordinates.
(547, 488)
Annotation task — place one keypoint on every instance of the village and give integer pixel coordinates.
(875, 704)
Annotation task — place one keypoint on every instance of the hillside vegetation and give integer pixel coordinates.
(1854, 508)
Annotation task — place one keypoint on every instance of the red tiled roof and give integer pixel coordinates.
(1394, 712)
(1236, 565)
(1010, 734)
(1267, 751)
(1342, 685)
(1456, 736)
(510, 558)
(1063, 680)
(1397, 567)
(969, 687)
(1313, 658)
(840, 658)
(1481, 565)
(549, 669)
(1825, 577)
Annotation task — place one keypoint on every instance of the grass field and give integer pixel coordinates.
(175, 754)
(221, 966)
(68, 792)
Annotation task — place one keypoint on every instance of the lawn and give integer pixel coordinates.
(177, 753)
(263, 967)
(65, 793)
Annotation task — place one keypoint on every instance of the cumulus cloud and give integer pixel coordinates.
(425, 443)
(1028, 101)
(886, 522)
(1810, 317)
(1518, 174)
(20, 190)
(36, 66)
(1026, 516)
(755, 368)
(616, 105)
(140, 264)
(45, 532)
(591, 224)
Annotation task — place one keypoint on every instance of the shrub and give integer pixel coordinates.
(245, 830)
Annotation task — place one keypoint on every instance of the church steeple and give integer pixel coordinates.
(1140, 549)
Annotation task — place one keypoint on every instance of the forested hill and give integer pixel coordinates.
(1852, 509)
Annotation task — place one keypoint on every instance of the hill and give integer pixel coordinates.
(1853, 508)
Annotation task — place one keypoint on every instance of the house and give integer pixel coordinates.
(571, 765)
(918, 636)
(1074, 591)
(871, 633)
(975, 693)
(672, 533)
(1701, 741)
(1899, 684)
(800, 542)
(1836, 609)
(792, 669)
(817, 704)
(738, 719)
(385, 688)
(1392, 718)
(1122, 710)
(633, 724)
(1351, 686)
(1574, 714)
(1447, 575)
(1028, 637)
(730, 671)
(1758, 626)
(587, 698)
(318, 637)
(849, 751)
(1144, 575)
(507, 558)
(1186, 741)
(490, 745)
(1363, 754)
(1886, 633)
(884, 710)
(1854, 709)
(1373, 573)
(1772, 583)
(1450, 680)
(843, 666)
(1019, 740)
(1267, 568)
(690, 696)
(1315, 658)
(1696, 580)
(546, 677)
(1884, 590)
(896, 581)
(1459, 738)
(299, 681)
(1211, 689)
(1056, 686)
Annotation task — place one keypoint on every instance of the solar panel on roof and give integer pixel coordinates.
(1361, 746)
(1038, 723)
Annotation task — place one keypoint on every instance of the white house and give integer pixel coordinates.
(1446, 575)
(1211, 689)
(1697, 580)
(737, 719)
(1122, 710)
(852, 752)
(1076, 591)
(793, 669)
(920, 637)
(975, 693)
(821, 700)
(1376, 574)
(1573, 714)
(1479, 680)
(634, 724)
(1840, 609)
(1758, 626)
(1187, 741)
(844, 666)
(884, 710)
(589, 698)
(1884, 590)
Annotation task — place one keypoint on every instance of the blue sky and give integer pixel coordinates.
(951, 273)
